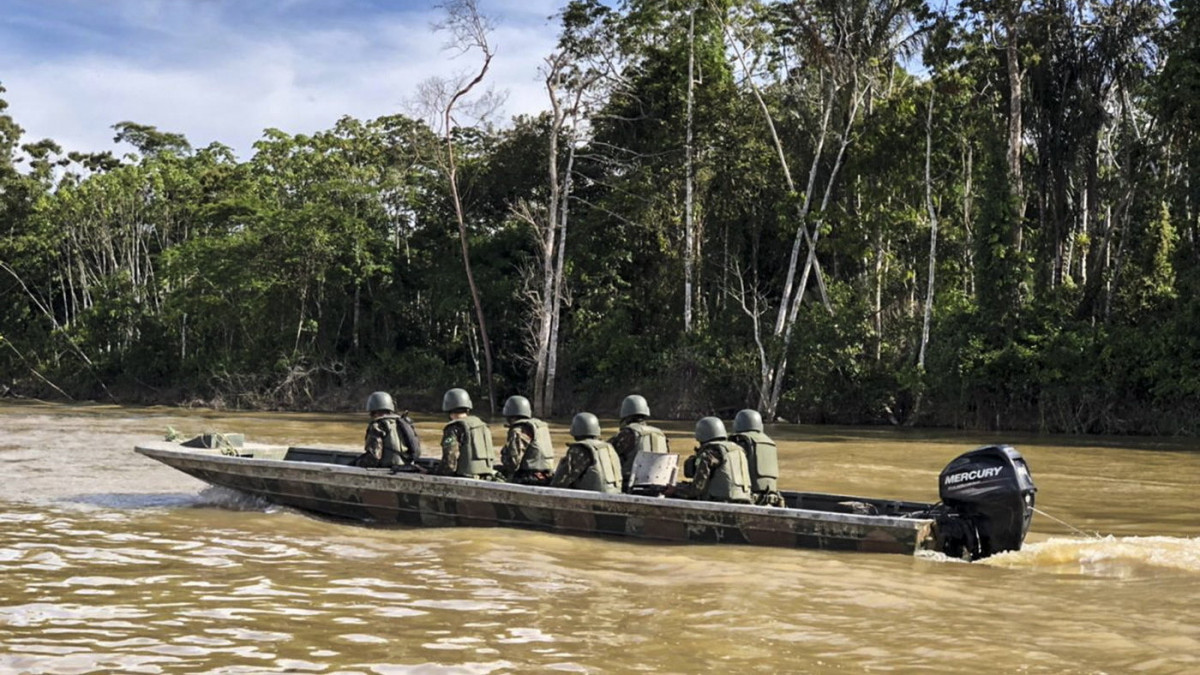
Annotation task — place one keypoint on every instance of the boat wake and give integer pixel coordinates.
(1122, 557)
(231, 500)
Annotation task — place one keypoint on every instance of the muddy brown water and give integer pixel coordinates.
(111, 562)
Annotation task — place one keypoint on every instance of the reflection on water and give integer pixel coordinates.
(110, 562)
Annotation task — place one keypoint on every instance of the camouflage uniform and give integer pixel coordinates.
(573, 470)
(454, 438)
(708, 462)
(625, 443)
(520, 451)
(383, 446)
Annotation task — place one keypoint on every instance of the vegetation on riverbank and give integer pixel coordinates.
(860, 212)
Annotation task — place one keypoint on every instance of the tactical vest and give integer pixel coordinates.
(649, 439)
(392, 447)
(604, 474)
(730, 482)
(478, 458)
(764, 460)
(539, 456)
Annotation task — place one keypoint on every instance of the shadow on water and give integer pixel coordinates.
(133, 501)
(209, 497)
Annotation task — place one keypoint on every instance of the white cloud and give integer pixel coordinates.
(213, 80)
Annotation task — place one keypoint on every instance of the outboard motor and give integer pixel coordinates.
(987, 495)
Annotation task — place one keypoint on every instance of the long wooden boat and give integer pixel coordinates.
(321, 481)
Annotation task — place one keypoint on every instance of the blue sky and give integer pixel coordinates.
(224, 70)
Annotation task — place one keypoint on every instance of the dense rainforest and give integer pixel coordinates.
(979, 215)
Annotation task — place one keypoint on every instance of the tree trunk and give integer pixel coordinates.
(1014, 124)
(546, 309)
(467, 24)
(780, 370)
(933, 235)
(690, 253)
(466, 253)
(559, 265)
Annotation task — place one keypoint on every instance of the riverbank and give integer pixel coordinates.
(346, 405)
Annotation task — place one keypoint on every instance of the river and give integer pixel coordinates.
(111, 562)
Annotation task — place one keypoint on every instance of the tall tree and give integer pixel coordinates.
(469, 32)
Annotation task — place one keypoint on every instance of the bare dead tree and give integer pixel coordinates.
(469, 31)
(566, 85)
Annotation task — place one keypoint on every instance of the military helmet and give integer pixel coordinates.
(710, 429)
(585, 425)
(517, 406)
(380, 400)
(456, 398)
(634, 405)
(747, 420)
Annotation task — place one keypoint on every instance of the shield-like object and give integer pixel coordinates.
(653, 469)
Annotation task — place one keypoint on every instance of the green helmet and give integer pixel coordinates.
(380, 400)
(585, 425)
(747, 420)
(634, 405)
(517, 406)
(456, 398)
(710, 429)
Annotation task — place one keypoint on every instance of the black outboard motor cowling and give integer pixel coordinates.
(989, 495)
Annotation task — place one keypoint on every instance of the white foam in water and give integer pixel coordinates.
(938, 556)
(1106, 556)
(232, 499)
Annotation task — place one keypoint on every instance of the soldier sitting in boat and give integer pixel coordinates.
(761, 455)
(718, 469)
(467, 448)
(636, 436)
(528, 453)
(391, 440)
(590, 463)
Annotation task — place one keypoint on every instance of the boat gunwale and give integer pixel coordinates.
(159, 450)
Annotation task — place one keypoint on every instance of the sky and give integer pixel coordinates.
(225, 70)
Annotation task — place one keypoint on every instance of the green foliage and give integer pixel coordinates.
(1066, 301)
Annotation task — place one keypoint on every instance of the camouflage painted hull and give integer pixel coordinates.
(411, 499)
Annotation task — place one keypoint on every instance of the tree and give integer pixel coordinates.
(833, 58)
(468, 31)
